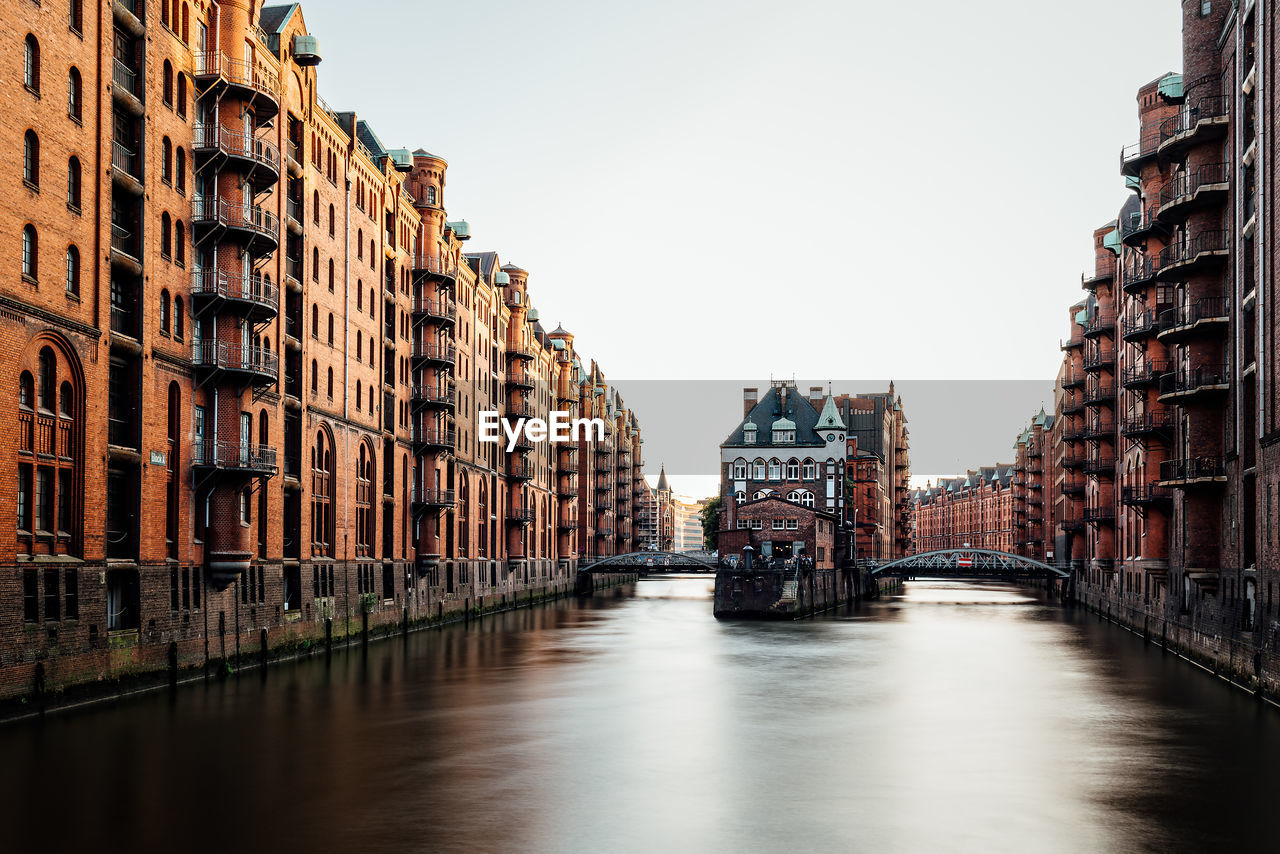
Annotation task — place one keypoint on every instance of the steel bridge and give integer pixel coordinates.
(969, 563)
(702, 561)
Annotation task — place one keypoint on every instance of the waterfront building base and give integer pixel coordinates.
(788, 594)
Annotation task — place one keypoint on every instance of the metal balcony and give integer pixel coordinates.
(435, 395)
(1099, 393)
(1199, 122)
(519, 409)
(517, 470)
(1076, 340)
(433, 439)
(1192, 472)
(237, 457)
(1102, 465)
(1148, 373)
(1091, 281)
(1100, 429)
(258, 298)
(216, 72)
(1145, 496)
(1205, 250)
(441, 312)
(1149, 424)
(1199, 187)
(1099, 324)
(260, 228)
(1140, 325)
(520, 352)
(434, 353)
(520, 378)
(1202, 381)
(520, 516)
(1099, 358)
(1137, 276)
(258, 365)
(433, 499)
(1138, 226)
(1134, 157)
(438, 267)
(567, 523)
(1099, 515)
(1205, 316)
(257, 159)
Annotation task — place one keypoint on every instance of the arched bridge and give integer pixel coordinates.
(702, 561)
(969, 563)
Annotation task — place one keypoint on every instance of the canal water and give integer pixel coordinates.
(953, 717)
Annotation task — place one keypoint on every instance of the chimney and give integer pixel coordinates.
(815, 396)
(750, 396)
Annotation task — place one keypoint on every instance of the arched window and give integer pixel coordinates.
(431, 195)
(359, 346)
(331, 329)
(165, 326)
(315, 264)
(332, 222)
(186, 35)
(73, 270)
(166, 160)
(180, 170)
(315, 321)
(48, 369)
(182, 95)
(30, 253)
(164, 12)
(775, 470)
(330, 275)
(482, 518)
(740, 496)
(359, 396)
(330, 386)
(77, 15)
(315, 377)
(26, 391)
(179, 243)
(464, 517)
(371, 267)
(31, 159)
(793, 470)
(166, 234)
(73, 184)
(360, 243)
(810, 470)
(74, 93)
(322, 517)
(166, 93)
(739, 469)
(315, 206)
(49, 441)
(31, 64)
(806, 498)
(757, 469)
(179, 319)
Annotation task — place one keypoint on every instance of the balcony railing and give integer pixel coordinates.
(1100, 429)
(424, 497)
(251, 359)
(520, 351)
(1138, 224)
(215, 64)
(1099, 393)
(234, 456)
(1212, 109)
(517, 470)
(1099, 514)
(125, 160)
(252, 290)
(520, 515)
(1100, 464)
(1137, 274)
(124, 78)
(1140, 324)
(439, 310)
(1099, 358)
(211, 210)
(1146, 373)
(520, 378)
(434, 352)
(1131, 156)
(1192, 470)
(1147, 424)
(1206, 311)
(435, 394)
(1185, 186)
(1203, 246)
(433, 438)
(1135, 496)
(234, 143)
(1197, 379)
(1098, 324)
(436, 265)
(124, 241)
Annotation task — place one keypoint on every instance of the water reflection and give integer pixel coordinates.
(952, 717)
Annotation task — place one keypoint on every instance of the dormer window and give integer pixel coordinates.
(784, 437)
(749, 433)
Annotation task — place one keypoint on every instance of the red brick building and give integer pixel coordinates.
(248, 351)
(976, 510)
(780, 530)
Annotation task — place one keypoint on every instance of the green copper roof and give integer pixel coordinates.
(1170, 87)
(1112, 240)
(830, 418)
(784, 424)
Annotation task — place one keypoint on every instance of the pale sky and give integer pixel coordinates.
(886, 189)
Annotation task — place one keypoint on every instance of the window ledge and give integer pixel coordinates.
(33, 187)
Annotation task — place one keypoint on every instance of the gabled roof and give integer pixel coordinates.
(485, 262)
(769, 409)
(274, 18)
(830, 418)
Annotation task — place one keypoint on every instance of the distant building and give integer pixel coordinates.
(688, 523)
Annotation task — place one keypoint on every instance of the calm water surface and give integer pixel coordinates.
(955, 717)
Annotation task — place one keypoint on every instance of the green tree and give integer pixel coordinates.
(711, 523)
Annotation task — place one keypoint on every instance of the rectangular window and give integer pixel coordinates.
(24, 497)
(742, 524)
(52, 595)
(195, 589)
(778, 524)
(292, 588)
(64, 502)
(173, 589)
(792, 525)
(186, 589)
(72, 586)
(388, 581)
(30, 596)
(44, 499)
